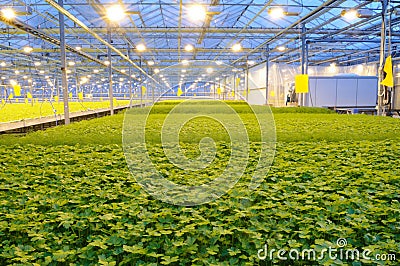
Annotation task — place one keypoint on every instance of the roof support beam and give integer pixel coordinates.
(221, 30)
(82, 25)
(292, 26)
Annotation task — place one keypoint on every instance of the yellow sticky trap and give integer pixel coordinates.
(56, 98)
(10, 96)
(301, 83)
(29, 95)
(16, 100)
(233, 93)
(195, 95)
(2, 101)
(237, 82)
(144, 89)
(80, 96)
(219, 91)
(26, 101)
(101, 99)
(272, 93)
(179, 93)
(388, 68)
(17, 90)
(70, 95)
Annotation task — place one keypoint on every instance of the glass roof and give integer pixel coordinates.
(166, 27)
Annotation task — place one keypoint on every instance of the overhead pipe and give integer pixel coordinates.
(223, 30)
(38, 33)
(340, 40)
(100, 10)
(305, 32)
(247, 25)
(350, 27)
(165, 50)
(356, 53)
(82, 25)
(309, 15)
(347, 40)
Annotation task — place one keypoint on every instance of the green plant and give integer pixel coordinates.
(67, 197)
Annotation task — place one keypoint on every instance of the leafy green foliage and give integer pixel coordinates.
(67, 197)
(20, 111)
(290, 127)
(79, 204)
(303, 110)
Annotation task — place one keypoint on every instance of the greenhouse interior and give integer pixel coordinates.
(204, 132)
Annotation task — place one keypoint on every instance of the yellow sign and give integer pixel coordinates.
(179, 93)
(17, 90)
(301, 83)
(237, 82)
(388, 68)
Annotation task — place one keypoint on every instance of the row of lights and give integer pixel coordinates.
(115, 13)
(198, 13)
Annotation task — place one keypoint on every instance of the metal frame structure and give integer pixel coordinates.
(315, 33)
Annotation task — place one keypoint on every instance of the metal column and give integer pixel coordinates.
(266, 75)
(141, 84)
(130, 78)
(64, 81)
(306, 58)
(303, 58)
(381, 89)
(110, 88)
(247, 83)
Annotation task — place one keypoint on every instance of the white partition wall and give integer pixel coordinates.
(342, 91)
(281, 77)
(256, 83)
